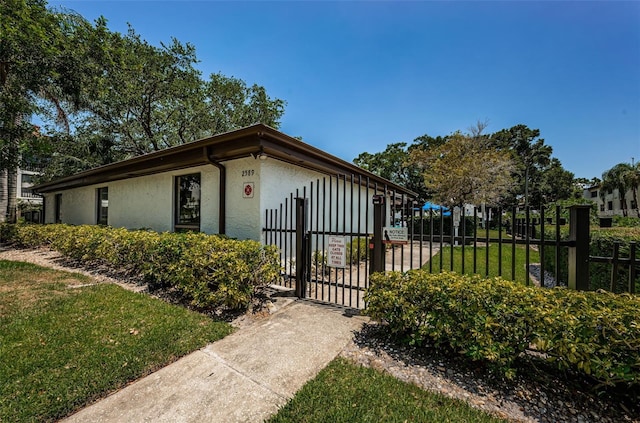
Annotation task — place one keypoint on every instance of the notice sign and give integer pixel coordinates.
(392, 235)
(337, 252)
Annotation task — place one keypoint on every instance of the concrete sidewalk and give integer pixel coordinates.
(244, 377)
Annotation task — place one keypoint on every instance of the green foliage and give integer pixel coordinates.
(628, 221)
(209, 270)
(601, 244)
(495, 321)
(63, 348)
(357, 250)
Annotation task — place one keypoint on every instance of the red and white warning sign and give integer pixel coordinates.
(248, 190)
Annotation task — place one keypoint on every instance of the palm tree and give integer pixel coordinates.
(632, 178)
(616, 179)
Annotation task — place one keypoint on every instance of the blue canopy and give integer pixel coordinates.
(436, 207)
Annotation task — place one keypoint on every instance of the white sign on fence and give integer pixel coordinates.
(337, 252)
(393, 235)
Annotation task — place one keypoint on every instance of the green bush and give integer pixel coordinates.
(495, 321)
(211, 271)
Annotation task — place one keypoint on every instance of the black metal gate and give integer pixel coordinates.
(325, 233)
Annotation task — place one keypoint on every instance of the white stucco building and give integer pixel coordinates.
(222, 184)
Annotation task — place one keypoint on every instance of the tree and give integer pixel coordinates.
(148, 98)
(557, 183)
(531, 157)
(466, 169)
(617, 178)
(393, 164)
(39, 66)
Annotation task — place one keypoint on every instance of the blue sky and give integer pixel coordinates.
(360, 75)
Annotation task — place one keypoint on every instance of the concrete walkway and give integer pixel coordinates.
(244, 377)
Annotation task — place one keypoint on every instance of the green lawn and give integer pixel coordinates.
(62, 348)
(345, 392)
(480, 257)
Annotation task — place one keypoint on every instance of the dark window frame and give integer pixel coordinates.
(57, 207)
(180, 224)
(102, 218)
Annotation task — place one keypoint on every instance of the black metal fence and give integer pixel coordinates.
(348, 214)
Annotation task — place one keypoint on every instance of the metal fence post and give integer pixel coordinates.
(378, 248)
(579, 249)
(301, 246)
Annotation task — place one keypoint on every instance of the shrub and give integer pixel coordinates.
(495, 321)
(211, 271)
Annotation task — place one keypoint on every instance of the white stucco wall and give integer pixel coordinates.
(143, 202)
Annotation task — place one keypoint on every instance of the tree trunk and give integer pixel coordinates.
(12, 194)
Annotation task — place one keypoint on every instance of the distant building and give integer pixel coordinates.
(611, 203)
(28, 203)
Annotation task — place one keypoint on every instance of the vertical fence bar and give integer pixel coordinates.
(499, 241)
(431, 241)
(318, 255)
(513, 243)
(475, 239)
(366, 239)
(487, 237)
(351, 249)
(337, 230)
(541, 246)
(464, 228)
(330, 210)
(557, 249)
(452, 241)
(614, 267)
(527, 243)
(301, 220)
(367, 264)
(441, 239)
(632, 267)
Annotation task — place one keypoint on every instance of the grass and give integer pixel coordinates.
(345, 392)
(63, 348)
(494, 260)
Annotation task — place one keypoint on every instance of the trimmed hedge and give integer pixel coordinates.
(600, 244)
(495, 321)
(211, 271)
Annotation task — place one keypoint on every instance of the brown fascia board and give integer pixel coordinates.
(228, 146)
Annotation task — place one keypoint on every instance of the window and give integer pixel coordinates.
(601, 207)
(594, 194)
(187, 202)
(58, 208)
(103, 205)
(610, 205)
(27, 178)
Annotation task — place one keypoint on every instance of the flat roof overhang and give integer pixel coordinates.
(244, 142)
